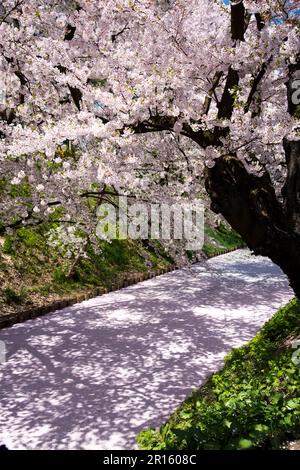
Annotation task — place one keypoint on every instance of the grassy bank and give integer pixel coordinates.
(221, 239)
(254, 402)
(33, 274)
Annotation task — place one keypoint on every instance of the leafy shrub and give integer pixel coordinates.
(8, 246)
(12, 297)
(59, 276)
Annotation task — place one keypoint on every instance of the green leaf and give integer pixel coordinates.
(245, 443)
(293, 404)
(227, 423)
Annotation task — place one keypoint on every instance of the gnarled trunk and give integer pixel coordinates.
(249, 203)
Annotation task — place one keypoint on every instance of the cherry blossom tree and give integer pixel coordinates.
(150, 98)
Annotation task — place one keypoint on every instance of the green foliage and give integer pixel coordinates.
(225, 238)
(3, 184)
(12, 297)
(8, 246)
(210, 250)
(190, 254)
(20, 191)
(59, 276)
(254, 402)
(235, 93)
(43, 268)
(31, 238)
(116, 252)
(2, 228)
(297, 112)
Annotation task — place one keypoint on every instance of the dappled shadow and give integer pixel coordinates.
(94, 374)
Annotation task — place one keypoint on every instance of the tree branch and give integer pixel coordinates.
(208, 98)
(227, 101)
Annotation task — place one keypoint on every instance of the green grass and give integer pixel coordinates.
(44, 271)
(225, 238)
(12, 297)
(253, 402)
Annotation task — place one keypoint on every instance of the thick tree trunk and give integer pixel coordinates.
(269, 227)
(250, 205)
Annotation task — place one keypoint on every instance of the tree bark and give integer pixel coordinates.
(270, 227)
(250, 206)
(237, 20)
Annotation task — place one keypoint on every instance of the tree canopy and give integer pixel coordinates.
(149, 97)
